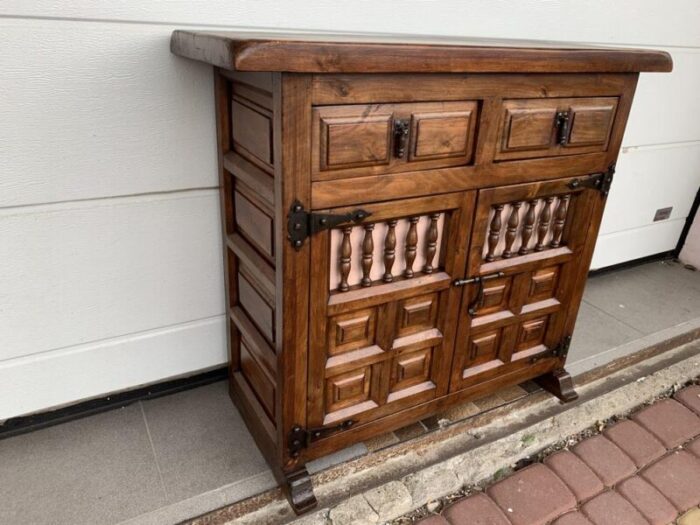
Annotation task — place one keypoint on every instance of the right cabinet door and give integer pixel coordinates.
(529, 245)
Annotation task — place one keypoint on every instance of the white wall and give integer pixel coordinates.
(110, 272)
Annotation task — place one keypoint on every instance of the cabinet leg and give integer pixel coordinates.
(559, 383)
(300, 492)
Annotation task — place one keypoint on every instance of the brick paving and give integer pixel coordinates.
(641, 471)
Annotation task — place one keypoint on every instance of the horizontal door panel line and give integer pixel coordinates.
(399, 289)
(347, 413)
(419, 340)
(261, 182)
(421, 388)
(264, 272)
(525, 262)
(354, 359)
(540, 307)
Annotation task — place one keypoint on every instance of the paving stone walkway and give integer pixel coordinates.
(641, 471)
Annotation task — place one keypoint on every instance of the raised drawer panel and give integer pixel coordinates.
(254, 223)
(372, 139)
(532, 128)
(251, 128)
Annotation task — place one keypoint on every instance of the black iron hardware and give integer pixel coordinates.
(561, 122)
(302, 224)
(598, 181)
(560, 351)
(401, 128)
(299, 438)
(479, 279)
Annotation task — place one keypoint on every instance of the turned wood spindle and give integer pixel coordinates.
(560, 220)
(345, 253)
(512, 229)
(494, 232)
(543, 225)
(367, 253)
(411, 243)
(389, 250)
(528, 226)
(431, 246)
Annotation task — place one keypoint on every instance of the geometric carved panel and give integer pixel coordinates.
(495, 296)
(531, 333)
(352, 331)
(411, 368)
(350, 388)
(543, 284)
(417, 314)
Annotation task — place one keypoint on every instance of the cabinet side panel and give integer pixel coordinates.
(247, 197)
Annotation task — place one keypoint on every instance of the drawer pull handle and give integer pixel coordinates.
(561, 122)
(400, 137)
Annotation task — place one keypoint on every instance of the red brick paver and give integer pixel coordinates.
(647, 500)
(636, 442)
(572, 518)
(605, 459)
(667, 484)
(475, 510)
(669, 421)
(677, 476)
(690, 397)
(694, 447)
(532, 496)
(609, 508)
(576, 474)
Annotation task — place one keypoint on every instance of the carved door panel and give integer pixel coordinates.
(523, 265)
(383, 308)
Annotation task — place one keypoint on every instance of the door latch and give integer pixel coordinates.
(479, 279)
(299, 438)
(302, 224)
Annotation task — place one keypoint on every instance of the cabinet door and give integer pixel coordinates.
(383, 313)
(526, 249)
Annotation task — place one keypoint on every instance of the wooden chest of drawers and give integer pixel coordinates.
(406, 226)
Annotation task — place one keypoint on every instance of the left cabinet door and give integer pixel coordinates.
(383, 308)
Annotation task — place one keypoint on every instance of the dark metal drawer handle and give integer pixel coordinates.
(561, 122)
(401, 128)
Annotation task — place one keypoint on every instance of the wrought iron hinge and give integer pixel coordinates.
(560, 351)
(599, 181)
(299, 438)
(302, 224)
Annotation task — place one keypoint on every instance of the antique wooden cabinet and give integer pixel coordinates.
(406, 226)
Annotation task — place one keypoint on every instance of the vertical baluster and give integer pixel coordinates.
(528, 226)
(560, 220)
(512, 229)
(411, 243)
(543, 225)
(367, 255)
(345, 253)
(494, 232)
(389, 250)
(431, 246)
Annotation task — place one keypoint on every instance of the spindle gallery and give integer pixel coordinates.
(406, 226)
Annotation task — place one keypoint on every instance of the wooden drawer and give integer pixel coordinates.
(372, 139)
(531, 128)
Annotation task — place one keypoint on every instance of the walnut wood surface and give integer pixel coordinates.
(482, 189)
(242, 52)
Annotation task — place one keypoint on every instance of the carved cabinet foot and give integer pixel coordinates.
(559, 383)
(300, 491)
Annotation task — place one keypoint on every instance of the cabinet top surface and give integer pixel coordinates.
(383, 54)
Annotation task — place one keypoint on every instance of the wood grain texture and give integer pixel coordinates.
(233, 51)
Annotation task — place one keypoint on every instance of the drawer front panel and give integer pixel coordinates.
(532, 128)
(372, 139)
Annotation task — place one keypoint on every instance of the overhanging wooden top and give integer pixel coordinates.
(356, 54)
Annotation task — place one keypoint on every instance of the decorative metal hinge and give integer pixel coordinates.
(599, 181)
(560, 351)
(302, 224)
(299, 438)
